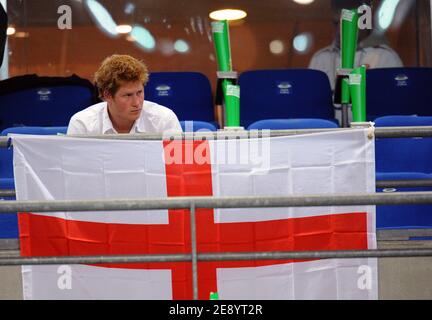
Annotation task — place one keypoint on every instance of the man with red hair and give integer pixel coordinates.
(120, 81)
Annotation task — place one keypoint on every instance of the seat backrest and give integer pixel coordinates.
(193, 126)
(43, 101)
(6, 156)
(402, 91)
(282, 124)
(35, 130)
(284, 93)
(403, 154)
(188, 94)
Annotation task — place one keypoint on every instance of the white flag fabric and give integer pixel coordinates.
(67, 168)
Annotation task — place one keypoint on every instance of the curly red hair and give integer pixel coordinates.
(118, 69)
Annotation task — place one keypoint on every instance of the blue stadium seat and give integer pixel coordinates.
(192, 126)
(188, 94)
(35, 130)
(403, 154)
(398, 91)
(8, 222)
(284, 94)
(282, 124)
(403, 159)
(6, 166)
(31, 100)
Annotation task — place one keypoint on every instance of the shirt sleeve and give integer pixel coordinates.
(389, 59)
(382, 57)
(173, 124)
(314, 64)
(76, 127)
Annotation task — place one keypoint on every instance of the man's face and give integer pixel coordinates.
(127, 102)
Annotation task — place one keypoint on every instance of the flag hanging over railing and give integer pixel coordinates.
(67, 168)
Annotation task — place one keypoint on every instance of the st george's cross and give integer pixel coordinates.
(74, 168)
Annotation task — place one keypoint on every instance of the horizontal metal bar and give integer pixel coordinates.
(379, 184)
(4, 142)
(414, 183)
(7, 193)
(403, 132)
(229, 256)
(382, 132)
(200, 135)
(287, 255)
(13, 260)
(217, 202)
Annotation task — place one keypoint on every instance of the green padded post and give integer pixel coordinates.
(232, 101)
(222, 45)
(223, 56)
(349, 35)
(357, 81)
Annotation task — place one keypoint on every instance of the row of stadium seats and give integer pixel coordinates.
(6, 169)
(396, 159)
(302, 93)
(265, 94)
(403, 159)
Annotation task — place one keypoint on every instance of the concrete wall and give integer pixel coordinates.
(405, 278)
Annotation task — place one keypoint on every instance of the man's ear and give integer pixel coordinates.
(107, 96)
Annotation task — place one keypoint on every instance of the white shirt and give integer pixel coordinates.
(154, 118)
(328, 59)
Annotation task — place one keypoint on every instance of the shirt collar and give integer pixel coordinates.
(139, 126)
(108, 128)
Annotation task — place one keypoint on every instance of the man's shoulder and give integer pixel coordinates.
(326, 50)
(388, 56)
(90, 112)
(382, 49)
(155, 109)
(322, 57)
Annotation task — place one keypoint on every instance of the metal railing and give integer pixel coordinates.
(381, 132)
(313, 200)
(192, 203)
(9, 193)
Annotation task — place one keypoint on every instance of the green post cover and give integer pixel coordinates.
(222, 45)
(349, 34)
(232, 104)
(223, 56)
(357, 81)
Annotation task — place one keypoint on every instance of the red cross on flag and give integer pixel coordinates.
(67, 168)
